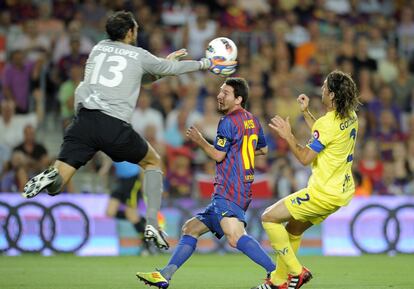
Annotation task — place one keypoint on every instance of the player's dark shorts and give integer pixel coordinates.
(128, 191)
(217, 210)
(92, 131)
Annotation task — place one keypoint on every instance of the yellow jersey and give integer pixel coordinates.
(334, 141)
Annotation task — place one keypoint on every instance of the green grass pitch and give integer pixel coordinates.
(200, 272)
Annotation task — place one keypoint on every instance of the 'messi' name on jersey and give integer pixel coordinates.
(248, 124)
(348, 123)
(117, 50)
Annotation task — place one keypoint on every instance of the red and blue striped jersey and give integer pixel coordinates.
(239, 134)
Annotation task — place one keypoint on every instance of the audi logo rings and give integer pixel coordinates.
(14, 229)
(391, 228)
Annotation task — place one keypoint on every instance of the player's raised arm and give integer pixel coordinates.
(173, 56)
(161, 66)
(303, 101)
(195, 135)
(282, 127)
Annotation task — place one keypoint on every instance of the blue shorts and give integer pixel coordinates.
(217, 210)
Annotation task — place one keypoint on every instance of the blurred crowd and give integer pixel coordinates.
(285, 47)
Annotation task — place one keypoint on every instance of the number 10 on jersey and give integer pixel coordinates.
(248, 148)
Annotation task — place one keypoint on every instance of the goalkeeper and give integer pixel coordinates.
(104, 102)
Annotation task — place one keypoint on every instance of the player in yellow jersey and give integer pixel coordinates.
(330, 153)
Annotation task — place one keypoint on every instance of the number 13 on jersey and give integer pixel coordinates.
(115, 64)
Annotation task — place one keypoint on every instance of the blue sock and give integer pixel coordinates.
(250, 247)
(182, 252)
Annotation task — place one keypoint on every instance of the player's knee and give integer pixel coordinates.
(267, 217)
(155, 160)
(152, 160)
(232, 243)
(187, 229)
(232, 240)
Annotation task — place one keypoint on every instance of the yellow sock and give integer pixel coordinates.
(279, 240)
(279, 276)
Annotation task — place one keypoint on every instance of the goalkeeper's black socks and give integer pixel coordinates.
(140, 225)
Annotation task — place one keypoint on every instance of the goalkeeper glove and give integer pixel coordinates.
(218, 65)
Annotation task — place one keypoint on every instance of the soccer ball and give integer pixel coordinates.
(222, 47)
